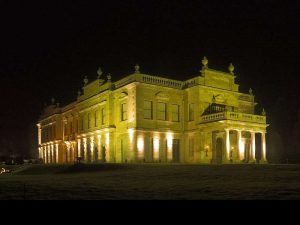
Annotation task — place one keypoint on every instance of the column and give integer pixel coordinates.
(240, 154)
(92, 148)
(227, 144)
(68, 153)
(39, 134)
(43, 155)
(107, 147)
(56, 153)
(84, 149)
(48, 154)
(263, 147)
(252, 153)
(71, 152)
(51, 153)
(99, 147)
(78, 148)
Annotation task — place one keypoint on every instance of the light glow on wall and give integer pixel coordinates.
(227, 144)
(78, 148)
(140, 144)
(130, 133)
(56, 152)
(242, 148)
(99, 146)
(156, 148)
(92, 148)
(84, 148)
(253, 145)
(107, 139)
(169, 146)
(169, 140)
(263, 142)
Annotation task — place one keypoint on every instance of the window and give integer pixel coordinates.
(123, 111)
(161, 111)
(175, 113)
(103, 116)
(147, 109)
(89, 120)
(96, 117)
(191, 148)
(191, 111)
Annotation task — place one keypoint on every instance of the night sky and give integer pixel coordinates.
(47, 47)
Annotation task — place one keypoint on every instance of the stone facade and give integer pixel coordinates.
(145, 118)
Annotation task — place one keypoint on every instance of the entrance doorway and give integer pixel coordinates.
(175, 150)
(219, 150)
(103, 152)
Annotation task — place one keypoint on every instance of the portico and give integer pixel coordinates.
(234, 137)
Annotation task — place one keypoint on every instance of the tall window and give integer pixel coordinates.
(161, 111)
(175, 113)
(123, 111)
(191, 148)
(96, 117)
(147, 109)
(81, 121)
(89, 120)
(103, 116)
(191, 111)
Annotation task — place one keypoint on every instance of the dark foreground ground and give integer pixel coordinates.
(118, 181)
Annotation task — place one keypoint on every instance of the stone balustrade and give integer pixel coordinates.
(233, 116)
(150, 80)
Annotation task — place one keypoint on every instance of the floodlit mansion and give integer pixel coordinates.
(150, 119)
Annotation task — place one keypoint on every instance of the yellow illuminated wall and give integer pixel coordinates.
(145, 118)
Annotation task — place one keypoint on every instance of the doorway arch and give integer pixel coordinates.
(219, 150)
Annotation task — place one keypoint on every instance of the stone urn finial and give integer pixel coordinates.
(264, 113)
(99, 72)
(205, 62)
(231, 68)
(137, 68)
(85, 80)
(52, 100)
(109, 77)
(250, 91)
(78, 93)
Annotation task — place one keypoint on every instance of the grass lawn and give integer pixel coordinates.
(151, 181)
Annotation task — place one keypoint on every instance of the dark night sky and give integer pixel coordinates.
(47, 47)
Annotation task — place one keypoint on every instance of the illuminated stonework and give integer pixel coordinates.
(145, 118)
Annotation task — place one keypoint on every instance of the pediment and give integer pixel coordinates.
(162, 94)
(123, 94)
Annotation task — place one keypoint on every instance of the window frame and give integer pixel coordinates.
(124, 115)
(165, 111)
(147, 110)
(177, 107)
